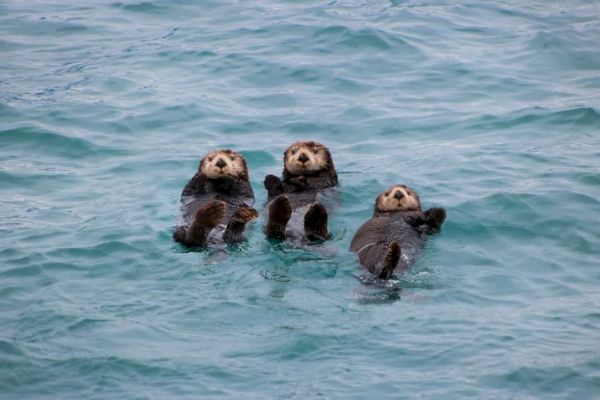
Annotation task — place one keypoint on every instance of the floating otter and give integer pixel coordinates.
(218, 196)
(392, 239)
(294, 205)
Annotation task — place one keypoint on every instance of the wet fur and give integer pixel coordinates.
(293, 205)
(216, 209)
(392, 239)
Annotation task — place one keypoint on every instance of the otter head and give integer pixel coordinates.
(307, 158)
(397, 198)
(224, 164)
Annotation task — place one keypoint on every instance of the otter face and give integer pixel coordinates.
(398, 198)
(306, 157)
(224, 164)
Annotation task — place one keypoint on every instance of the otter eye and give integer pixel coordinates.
(293, 152)
(315, 150)
(232, 158)
(210, 158)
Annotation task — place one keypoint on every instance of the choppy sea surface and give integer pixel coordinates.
(488, 108)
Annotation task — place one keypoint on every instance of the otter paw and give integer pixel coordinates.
(273, 185)
(315, 223)
(392, 256)
(195, 185)
(245, 214)
(435, 217)
(211, 214)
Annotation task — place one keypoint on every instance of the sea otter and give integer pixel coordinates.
(392, 238)
(295, 202)
(217, 202)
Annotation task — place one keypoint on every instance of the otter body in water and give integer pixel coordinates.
(296, 203)
(217, 202)
(391, 240)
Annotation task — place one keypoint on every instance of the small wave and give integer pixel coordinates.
(582, 116)
(9, 348)
(186, 55)
(144, 7)
(35, 180)
(91, 366)
(548, 380)
(564, 47)
(344, 37)
(34, 139)
(271, 100)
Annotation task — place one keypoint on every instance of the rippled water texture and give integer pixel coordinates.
(490, 109)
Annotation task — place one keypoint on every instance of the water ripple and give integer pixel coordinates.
(490, 110)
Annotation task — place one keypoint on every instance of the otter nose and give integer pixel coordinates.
(398, 195)
(220, 163)
(303, 158)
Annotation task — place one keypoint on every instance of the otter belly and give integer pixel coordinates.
(372, 240)
(295, 226)
(301, 206)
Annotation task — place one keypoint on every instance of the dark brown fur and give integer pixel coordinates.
(294, 191)
(380, 242)
(206, 203)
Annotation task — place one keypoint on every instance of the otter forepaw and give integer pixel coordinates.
(435, 217)
(273, 185)
(195, 185)
(315, 223)
(280, 212)
(234, 232)
(392, 256)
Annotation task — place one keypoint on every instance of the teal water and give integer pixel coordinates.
(490, 109)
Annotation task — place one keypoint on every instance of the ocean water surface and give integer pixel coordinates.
(490, 109)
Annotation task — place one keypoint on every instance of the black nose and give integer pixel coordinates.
(398, 195)
(303, 158)
(221, 163)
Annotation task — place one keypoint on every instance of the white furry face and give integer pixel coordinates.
(224, 163)
(398, 198)
(305, 157)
